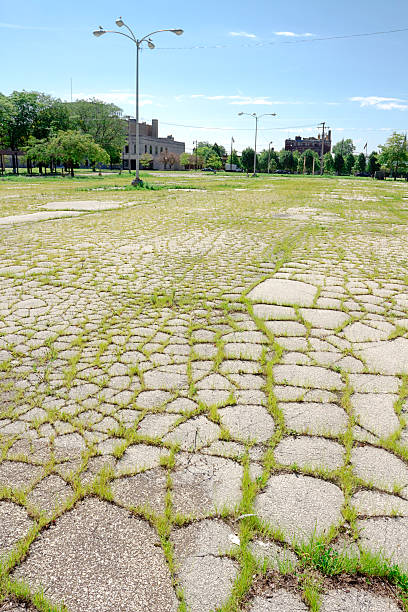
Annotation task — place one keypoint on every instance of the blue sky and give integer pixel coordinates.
(263, 57)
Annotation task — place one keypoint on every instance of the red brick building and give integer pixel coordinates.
(315, 144)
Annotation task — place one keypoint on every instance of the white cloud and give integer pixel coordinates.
(243, 34)
(294, 35)
(381, 102)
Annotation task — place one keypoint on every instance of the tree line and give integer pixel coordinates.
(50, 131)
(392, 159)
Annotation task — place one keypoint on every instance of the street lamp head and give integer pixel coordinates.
(177, 31)
(150, 44)
(99, 32)
(239, 114)
(119, 22)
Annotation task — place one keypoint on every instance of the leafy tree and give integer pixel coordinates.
(26, 114)
(394, 154)
(344, 147)
(263, 161)
(145, 160)
(234, 159)
(6, 110)
(102, 121)
(203, 143)
(204, 152)
(328, 163)
(214, 161)
(349, 162)
(361, 163)
(52, 116)
(306, 161)
(247, 159)
(287, 161)
(38, 152)
(373, 163)
(186, 159)
(73, 147)
(339, 163)
(219, 150)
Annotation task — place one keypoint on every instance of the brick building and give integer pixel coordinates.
(149, 142)
(315, 144)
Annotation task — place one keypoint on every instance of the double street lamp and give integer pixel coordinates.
(256, 117)
(138, 42)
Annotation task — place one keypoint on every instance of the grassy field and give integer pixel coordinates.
(205, 384)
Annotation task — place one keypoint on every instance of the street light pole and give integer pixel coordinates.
(269, 154)
(256, 117)
(138, 42)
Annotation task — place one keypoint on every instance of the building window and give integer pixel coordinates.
(161, 149)
(134, 148)
(126, 149)
(151, 149)
(156, 150)
(145, 148)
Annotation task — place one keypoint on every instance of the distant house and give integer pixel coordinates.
(315, 144)
(149, 142)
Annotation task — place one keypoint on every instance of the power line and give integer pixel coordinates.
(287, 42)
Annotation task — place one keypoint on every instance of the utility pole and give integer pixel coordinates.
(322, 124)
(269, 154)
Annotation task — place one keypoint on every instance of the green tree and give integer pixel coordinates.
(204, 152)
(219, 150)
(214, 161)
(102, 121)
(247, 159)
(234, 159)
(287, 161)
(349, 162)
(186, 159)
(361, 163)
(373, 163)
(328, 163)
(394, 154)
(25, 114)
(344, 147)
(38, 152)
(6, 111)
(73, 147)
(306, 161)
(339, 163)
(145, 160)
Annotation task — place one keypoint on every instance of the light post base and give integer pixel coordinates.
(137, 182)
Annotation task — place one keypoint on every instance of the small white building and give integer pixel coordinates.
(149, 141)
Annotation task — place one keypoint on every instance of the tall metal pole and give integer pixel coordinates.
(137, 178)
(232, 140)
(138, 42)
(256, 135)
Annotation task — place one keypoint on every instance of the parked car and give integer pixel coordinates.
(207, 170)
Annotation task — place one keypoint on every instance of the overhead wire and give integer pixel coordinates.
(287, 42)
